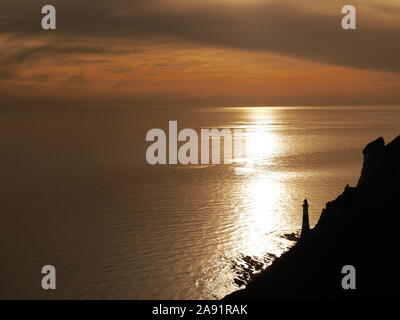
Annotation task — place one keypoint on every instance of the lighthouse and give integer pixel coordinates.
(306, 225)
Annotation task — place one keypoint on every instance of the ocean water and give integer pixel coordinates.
(77, 193)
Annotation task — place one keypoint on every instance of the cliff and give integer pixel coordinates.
(359, 228)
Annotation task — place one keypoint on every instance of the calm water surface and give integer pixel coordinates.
(77, 193)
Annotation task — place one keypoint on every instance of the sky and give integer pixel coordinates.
(185, 53)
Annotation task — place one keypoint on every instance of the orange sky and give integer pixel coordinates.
(198, 55)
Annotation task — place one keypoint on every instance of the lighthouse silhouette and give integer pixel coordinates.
(306, 224)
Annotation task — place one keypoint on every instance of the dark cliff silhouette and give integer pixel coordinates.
(360, 228)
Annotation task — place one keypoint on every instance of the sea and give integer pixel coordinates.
(77, 193)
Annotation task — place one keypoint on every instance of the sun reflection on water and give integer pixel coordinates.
(262, 191)
(261, 143)
(260, 213)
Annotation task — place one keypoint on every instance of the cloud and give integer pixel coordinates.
(76, 80)
(128, 53)
(120, 69)
(31, 54)
(293, 28)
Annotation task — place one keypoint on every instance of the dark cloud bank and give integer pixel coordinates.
(291, 28)
(108, 28)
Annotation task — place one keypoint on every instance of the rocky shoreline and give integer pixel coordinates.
(359, 228)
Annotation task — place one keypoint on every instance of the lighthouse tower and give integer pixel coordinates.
(306, 225)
